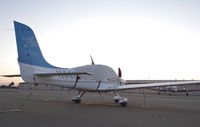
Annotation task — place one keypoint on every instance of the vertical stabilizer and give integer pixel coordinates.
(30, 57)
(27, 46)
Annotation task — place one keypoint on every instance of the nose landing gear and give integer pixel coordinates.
(121, 100)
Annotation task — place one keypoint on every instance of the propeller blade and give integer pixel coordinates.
(119, 73)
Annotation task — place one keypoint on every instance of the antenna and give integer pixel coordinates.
(92, 60)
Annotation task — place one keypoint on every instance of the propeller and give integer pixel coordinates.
(119, 73)
(122, 82)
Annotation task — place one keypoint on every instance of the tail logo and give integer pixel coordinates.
(29, 42)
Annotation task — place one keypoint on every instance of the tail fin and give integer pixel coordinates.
(30, 57)
(28, 49)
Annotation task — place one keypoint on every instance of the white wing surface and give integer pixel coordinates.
(148, 85)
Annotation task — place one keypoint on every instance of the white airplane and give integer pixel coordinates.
(89, 78)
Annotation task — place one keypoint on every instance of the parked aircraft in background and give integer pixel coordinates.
(173, 89)
(88, 78)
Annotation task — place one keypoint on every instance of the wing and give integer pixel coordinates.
(148, 85)
(152, 81)
(62, 74)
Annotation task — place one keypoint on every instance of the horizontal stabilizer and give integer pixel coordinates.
(10, 76)
(62, 74)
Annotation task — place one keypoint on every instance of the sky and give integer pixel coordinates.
(147, 39)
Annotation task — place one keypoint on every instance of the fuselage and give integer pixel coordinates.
(102, 78)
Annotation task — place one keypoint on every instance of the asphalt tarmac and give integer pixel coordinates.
(53, 109)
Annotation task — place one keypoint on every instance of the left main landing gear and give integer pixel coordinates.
(77, 99)
(121, 100)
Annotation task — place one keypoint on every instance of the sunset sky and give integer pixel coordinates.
(147, 39)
